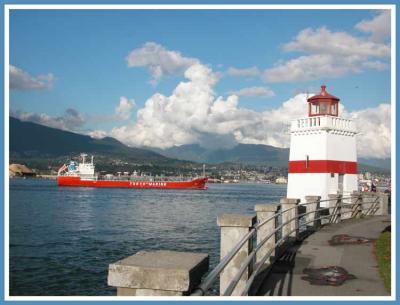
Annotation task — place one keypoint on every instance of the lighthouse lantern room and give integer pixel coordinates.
(323, 104)
(323, 157)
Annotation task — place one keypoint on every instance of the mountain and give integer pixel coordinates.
(33, 141)
(374, 162)
(44, 146)
(251, 154)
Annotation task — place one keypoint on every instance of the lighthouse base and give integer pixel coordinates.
(320, 184)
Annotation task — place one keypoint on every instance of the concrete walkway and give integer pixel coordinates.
(285, 278)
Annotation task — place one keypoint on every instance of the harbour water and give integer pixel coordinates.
(62, 239)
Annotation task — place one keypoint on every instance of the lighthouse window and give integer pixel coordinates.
(324, 108)
(332, 175)
(314, 108)
(333, 109)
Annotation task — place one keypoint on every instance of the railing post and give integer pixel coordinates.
(312, 207)
(335, 207)
(356, 200)
(233, 228)
(369, 201)
(266, 211)
(383, 204)
(290, 212)
(158, 273)
(347, 208)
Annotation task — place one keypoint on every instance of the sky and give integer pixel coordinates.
(159, 78)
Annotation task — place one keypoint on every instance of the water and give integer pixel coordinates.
(62, 239)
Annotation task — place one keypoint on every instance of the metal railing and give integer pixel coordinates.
(335, 209)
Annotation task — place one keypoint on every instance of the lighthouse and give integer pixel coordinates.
(323, 156)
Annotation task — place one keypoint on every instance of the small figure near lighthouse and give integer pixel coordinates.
(323, 156)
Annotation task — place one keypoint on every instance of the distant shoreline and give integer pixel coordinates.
(46, 177)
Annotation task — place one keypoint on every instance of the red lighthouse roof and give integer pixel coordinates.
(323, 104)
(323, 95)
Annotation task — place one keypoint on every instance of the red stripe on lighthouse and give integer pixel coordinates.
(322, 166)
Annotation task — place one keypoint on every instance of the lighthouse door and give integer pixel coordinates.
(340, 183)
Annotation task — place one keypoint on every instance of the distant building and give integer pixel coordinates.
(109, 176)
(281, 180)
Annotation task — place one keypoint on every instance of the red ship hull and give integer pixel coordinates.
(198, 184)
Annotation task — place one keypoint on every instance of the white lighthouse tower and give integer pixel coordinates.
(323, 156)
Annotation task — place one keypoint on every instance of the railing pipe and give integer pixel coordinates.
(290, 216)
(212, 276)
(242, 269)
(278, 243)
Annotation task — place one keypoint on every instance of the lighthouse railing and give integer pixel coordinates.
(324, 121)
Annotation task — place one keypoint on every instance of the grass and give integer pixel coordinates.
(382, 250)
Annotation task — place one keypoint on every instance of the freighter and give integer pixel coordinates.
(83, 175)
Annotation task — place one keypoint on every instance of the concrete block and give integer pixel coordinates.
(335, 207)
(264, 212)
(236, 220)
(159, 270)
(267, 207)
(356, 200)
(370, 203)
(383, 204)
(289, 201)
(290, 212)
(233, 228)
(121, 292)
(313, 204)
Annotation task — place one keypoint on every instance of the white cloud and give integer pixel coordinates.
(193, 113)
(72, 120)
(376, 65)
(254, 91)
(374, 140)
(21, 80)
(159, 61)
(333, 54)
(378, 27)
(178, 119)
(311, 67)
(246, 72)
(323, 41)
(97, 134)
(124, 107)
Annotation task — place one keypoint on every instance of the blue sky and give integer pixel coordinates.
(78, 60)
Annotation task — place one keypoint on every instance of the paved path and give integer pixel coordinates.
(315, 252)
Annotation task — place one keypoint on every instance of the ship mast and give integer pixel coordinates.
(83, 158)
